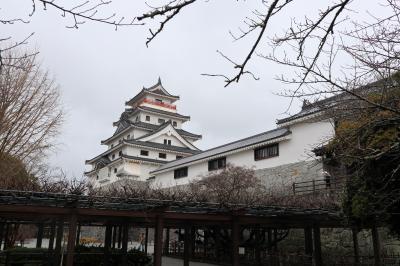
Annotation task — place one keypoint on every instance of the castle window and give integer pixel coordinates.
(147, 118)
(174, 123)
(144, 153)
(217, 164)
(112, 145)
(169, 142)
(179, 157)
(162, 155)
(97, 177)
(115, 170)
(266, 152)
(137, 118)
(113, 156)
(120, 153)
(165, 142)
(129, 136)
(181, 172)
(161, 121)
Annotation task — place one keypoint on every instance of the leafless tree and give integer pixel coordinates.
(30, 110)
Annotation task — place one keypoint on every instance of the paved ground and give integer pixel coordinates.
(177, 262)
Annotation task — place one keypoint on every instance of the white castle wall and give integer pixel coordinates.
(304, 138)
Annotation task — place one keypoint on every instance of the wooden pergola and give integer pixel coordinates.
(60, 210)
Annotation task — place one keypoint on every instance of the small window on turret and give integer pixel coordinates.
(174, 123)
(162, 155)
(161, 121)
(147, 118)
(169, 142)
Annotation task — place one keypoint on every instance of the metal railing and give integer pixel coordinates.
(317, 186)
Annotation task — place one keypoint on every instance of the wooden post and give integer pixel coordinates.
(317, 246)
(377, 246)
(158, 241)
(257, 248)
(192, 242)
(6, 236)
(166, 242)
(146, 240)
(107, 245)
(71, 240)
(78, 236)
(179, 241)
(119, 236)
(114, 236)
(59, 237)
(52, 235)
(1, 233)
(276, 240)
(217, 231)
(308, 241)
(187, 246)
(235, 242)
(125, 233)
(39, 235)
(354, 232)
(205, 243)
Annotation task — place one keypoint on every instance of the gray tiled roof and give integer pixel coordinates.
(336, 100)
(122, 125)
(162, 146)
(145, 108)
(154, 128)
(152, 90)
(259, 138)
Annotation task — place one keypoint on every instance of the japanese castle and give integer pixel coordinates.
(148, 135)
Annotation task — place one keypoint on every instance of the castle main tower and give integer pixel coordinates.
(148, 134)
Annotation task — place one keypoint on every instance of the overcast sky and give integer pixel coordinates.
(98, 69)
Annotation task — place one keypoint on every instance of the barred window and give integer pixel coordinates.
(217, 164)
(266, 152)
(181, 172)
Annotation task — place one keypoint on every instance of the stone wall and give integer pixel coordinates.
(285, 175)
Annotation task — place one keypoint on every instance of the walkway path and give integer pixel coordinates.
(167, 261)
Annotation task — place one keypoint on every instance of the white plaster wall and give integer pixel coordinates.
(135, 151)
(305, 136)
(154, 118)
(167, 179)
(174, 140)
(133, 134)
